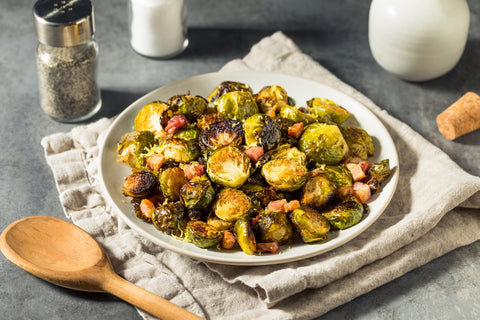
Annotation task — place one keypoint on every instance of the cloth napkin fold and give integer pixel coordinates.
(434, 210)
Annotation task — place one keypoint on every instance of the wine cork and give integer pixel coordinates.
(462, 117)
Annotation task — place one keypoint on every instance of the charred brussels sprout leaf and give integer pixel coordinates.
(153, 117)
(236, 105)
(338, 175)
(271, 97)
(244, 233)
(177, 150)
(220, 134)
(197, 193)
(190, 106)
(229, 167)
(231, 204)
(311, 225)
(317, 191)
(140, 184)
(261, 130)
(359, 142)
(326, 110)
(170, 218)
(323, 143)
(171, 180)
(377, 174)
(296, 115)
(274, 226)
(345, 214)
(133, 144)
(285, 174)
(228, 86)
(202, 234)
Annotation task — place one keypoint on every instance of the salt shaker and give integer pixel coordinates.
(158, 27)
(67, 59)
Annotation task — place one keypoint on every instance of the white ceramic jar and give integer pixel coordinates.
(418, 40)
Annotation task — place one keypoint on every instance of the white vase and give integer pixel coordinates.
(418, 40)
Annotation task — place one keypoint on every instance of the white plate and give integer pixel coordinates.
(113, 173)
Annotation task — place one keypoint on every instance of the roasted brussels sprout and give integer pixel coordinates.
(152, 117)
(270, 97)
(219, 224)
(202, 234)
(285, 151)
(285, 174)
(170, 218)
(323, 143)
(231, 204)
(311, 225)
(295, 114)
(261, 130)
(229, 167)
(274, 226)
(197, 193)
(338, 175)
(133, 144)
(317, 190)
(236, 105)
(206, 119)
(189, 133)
(228, 86)
(244, 233)
(140, 184)
(345, 214)
(326, 110)
(190, 106)
(220, 134)
(171, 180)
(377, 174)
(360, 143)
(177, 150)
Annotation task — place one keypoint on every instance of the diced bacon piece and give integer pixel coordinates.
(295, 130)
(255, 220)
(147, 208)
(343, 191)
(155, 161)
(365, 165)
(176, 122)
(228, 240)
(254, 153)
(356, 171)
(291, 205)
(268, 247)
(362, 191)
(277, 205)
(192, 171)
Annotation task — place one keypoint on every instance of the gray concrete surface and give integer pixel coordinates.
(333, 32)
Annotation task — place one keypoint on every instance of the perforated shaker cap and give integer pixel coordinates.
(65, 23)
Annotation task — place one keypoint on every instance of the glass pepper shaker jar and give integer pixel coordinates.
(67, 59)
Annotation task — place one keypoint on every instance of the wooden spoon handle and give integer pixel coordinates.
(145, 300)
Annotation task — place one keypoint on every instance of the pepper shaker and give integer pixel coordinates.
(67, 59)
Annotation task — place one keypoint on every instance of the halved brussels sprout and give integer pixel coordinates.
(244, 233)
(311, 225)
(338, 175)
(140, 184)
(285, 174)
(377, 174)
(270, 97)
(236, 105)
(274, 226)
(170, 218)
(228, 86)
(220, 134)
(190, 106)
(360, 143)
(189, 133)
(231, 204)
(296, 115)
(178, 150)
(327, 111)
(152, 117)
(261, 130)
(229, 167)
(202, 234)
(197, 193)
(347, 213)
(323, 143)
(317, 190)
(171, 180)
(286, 151)
(133, 144)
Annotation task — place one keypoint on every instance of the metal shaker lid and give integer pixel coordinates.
(63, 23)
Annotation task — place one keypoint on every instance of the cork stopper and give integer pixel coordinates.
(462, 117)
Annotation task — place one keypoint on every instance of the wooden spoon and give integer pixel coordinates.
(62, 253)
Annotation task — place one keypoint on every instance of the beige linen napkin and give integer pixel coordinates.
(434, 210)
